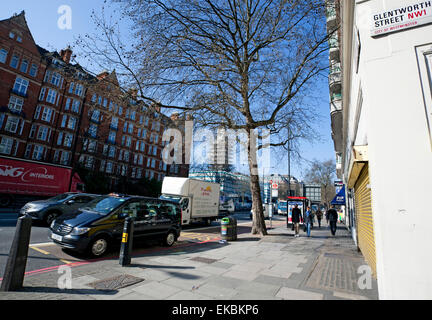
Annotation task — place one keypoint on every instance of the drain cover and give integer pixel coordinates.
(204, 260)
(115, 283)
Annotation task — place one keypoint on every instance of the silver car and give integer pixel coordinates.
(48, 210)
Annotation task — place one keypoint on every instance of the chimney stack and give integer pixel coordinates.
(66, 54)
(174, 116)
(103, 75)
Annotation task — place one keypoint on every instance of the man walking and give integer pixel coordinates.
(319, 215)
(296, 219)
(333, 218)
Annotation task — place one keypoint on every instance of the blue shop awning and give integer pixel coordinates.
(340, 198)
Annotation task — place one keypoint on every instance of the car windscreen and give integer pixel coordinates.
(104, 205)
(59, 197)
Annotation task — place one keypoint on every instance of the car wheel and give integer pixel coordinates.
(99, 247)
(170, 239)
(50, 217)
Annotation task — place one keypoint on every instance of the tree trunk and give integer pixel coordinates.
(258, 223)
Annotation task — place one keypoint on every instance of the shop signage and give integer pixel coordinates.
(402, 17)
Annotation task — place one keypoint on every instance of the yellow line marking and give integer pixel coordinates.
(65, 261)
(40, 250)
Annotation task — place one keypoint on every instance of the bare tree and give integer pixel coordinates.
(236, 64)
(323, 173)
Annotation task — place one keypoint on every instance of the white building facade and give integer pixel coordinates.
(383, 138)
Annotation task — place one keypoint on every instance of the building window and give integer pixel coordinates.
(14, 61)
(131, 128)
(111, 152)
(33, 70)
(55, 79)
(51, 97)
(15, 103)
(21, 86)
(128, 141)
(3, 55)
(42, 133)
(24, 66)
(38, 152)
(47, 114)
(60, 139)
(89, 162)
(68, 103)
(95, 116)
(64, 160)
(12, 124)
(114, 122)
(19, 39)
(112, 137)
(93, 130)
(72, 123)
(76, 106)
(79, 89)
(68, 140)
(64, 119)
(109, 167)
(6, 145)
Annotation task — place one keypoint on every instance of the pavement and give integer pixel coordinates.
(275, 267)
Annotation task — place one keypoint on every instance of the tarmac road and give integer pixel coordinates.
(44, 254)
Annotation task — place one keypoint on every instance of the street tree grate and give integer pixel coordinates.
(204, 260)
(115, 283)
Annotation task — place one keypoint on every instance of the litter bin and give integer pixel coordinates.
(229, 228)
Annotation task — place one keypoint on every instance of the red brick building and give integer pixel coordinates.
(52, 110)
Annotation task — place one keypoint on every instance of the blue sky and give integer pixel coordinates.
(43, 16)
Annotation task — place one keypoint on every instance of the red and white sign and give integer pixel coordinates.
(26, 177)
(405, 17)
(275, 186)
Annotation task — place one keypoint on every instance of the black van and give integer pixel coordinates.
(94, 227)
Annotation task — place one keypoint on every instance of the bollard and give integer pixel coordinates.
(13, 278)
(127, 242)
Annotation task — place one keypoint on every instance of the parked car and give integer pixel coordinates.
(94, 228)
(52, 208)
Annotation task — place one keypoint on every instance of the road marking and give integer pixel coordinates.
(44, 244)
(65, 261)
(40, 250)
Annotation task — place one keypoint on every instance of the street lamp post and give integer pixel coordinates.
(289, 166)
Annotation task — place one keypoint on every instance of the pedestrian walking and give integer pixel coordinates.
(327, 217)
(308, 221)
(296, 219)
(319, 216)
(333, 218)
